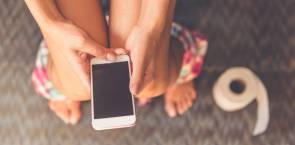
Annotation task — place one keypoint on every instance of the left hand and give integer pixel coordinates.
(142, 46)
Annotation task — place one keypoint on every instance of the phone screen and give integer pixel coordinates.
(111, 95)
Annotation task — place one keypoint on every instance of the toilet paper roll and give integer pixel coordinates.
(229, 100)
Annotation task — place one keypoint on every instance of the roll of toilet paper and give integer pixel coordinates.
(250, 88)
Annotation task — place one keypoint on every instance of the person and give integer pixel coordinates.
(76, 31)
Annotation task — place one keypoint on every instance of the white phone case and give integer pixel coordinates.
(111, 122)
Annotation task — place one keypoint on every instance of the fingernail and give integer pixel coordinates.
(171, 114)
(120, 51)
(110, 57)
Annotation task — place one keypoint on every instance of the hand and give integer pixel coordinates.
(70, 51)
(142, 46)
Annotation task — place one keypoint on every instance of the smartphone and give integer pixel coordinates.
(112, 102)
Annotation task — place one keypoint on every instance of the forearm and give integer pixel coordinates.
(45, 12)
(154, 14)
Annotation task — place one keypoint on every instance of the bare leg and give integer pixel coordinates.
(88, 15)
(180, 97)
(124, 15)
(166, 63)
(177, 98)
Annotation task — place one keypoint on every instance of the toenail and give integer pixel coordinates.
(172, 114)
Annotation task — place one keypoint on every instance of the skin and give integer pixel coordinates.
(68, 66)
(140, 26)
(144, 29)
(135, 31)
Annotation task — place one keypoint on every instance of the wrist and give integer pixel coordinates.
(51, 25)
(48, 22)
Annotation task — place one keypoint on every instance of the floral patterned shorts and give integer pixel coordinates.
(195, 47)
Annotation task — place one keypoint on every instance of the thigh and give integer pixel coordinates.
(124, 15)
(88, 15)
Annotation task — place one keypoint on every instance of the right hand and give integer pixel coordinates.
(70, 51)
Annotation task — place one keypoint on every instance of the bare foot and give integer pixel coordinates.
(68, 111)
(179, 98)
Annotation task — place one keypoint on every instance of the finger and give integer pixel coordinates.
(149, 73)
(52, 74)
(93, 48)
(139, 61)
(83, 56)
(139, 67)
(141, 76)
(119, 51)
(82, 69)
(110, 55)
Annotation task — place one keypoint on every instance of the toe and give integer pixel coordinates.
(186, 103)
(64, 115)
(143, 102)
(181, 106)
(60, 109)
(188, 100)
(170, 108)
(75, 112)
(193, 94)
(75, 116)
